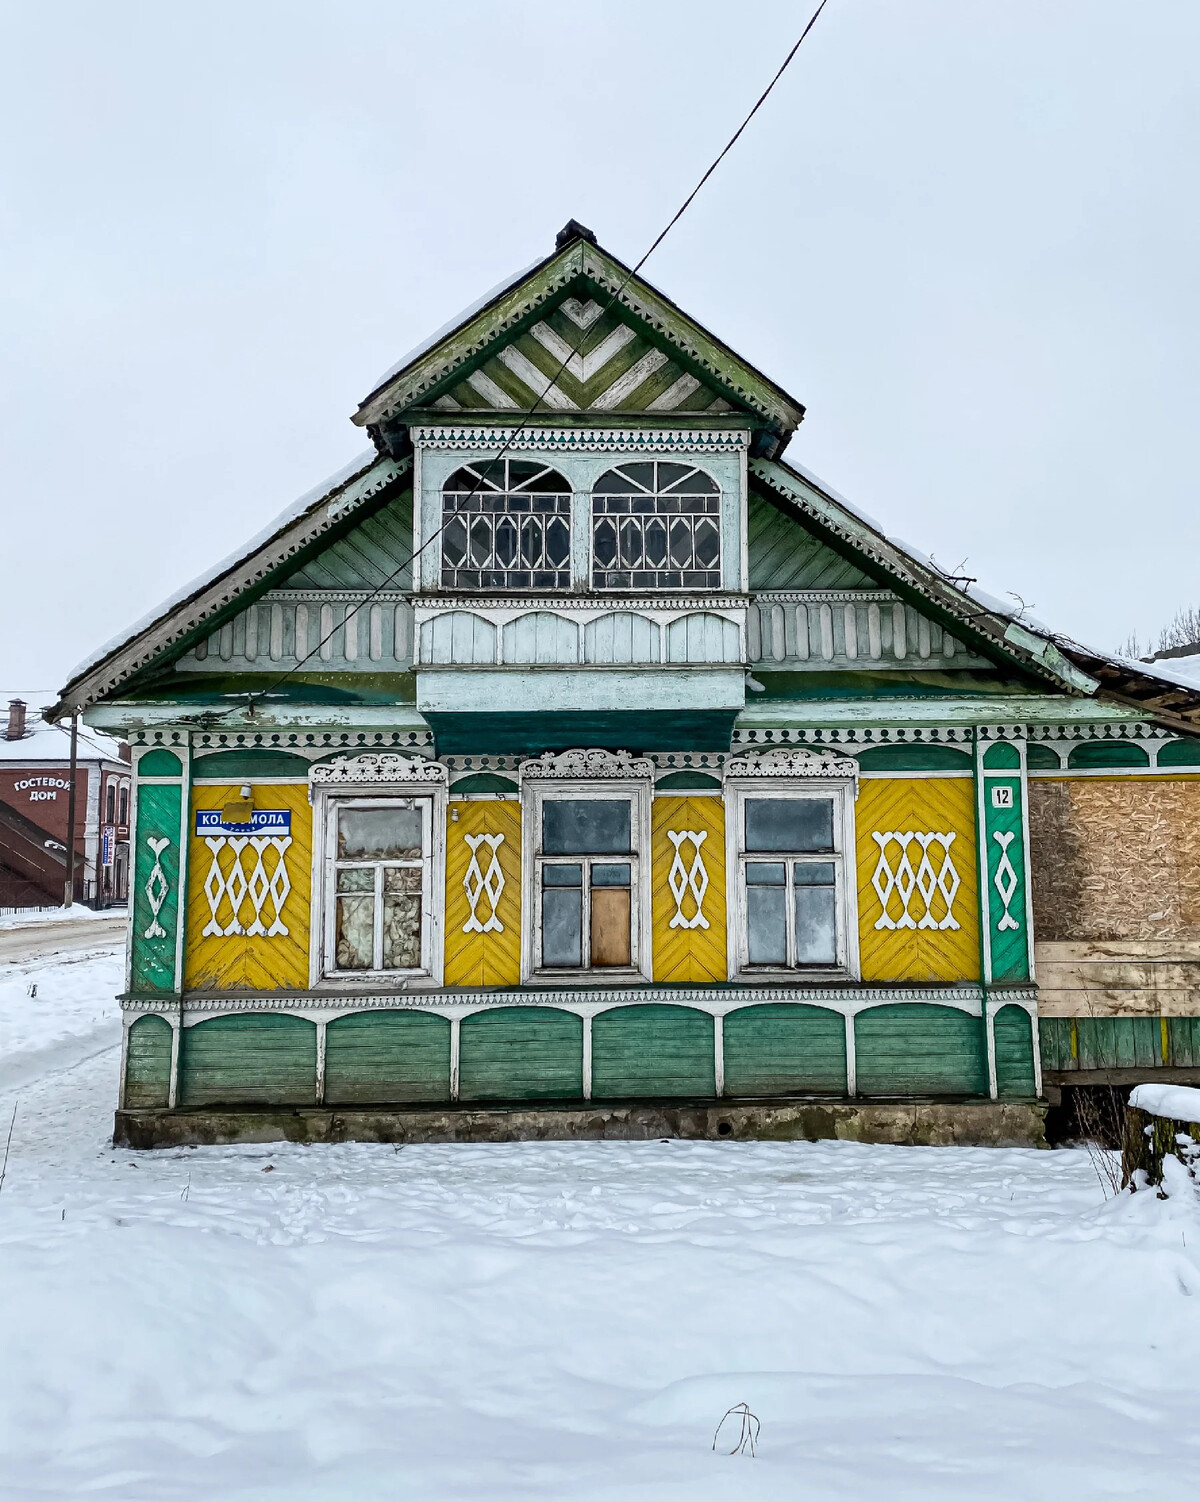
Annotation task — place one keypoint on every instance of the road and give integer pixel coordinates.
(35, 940)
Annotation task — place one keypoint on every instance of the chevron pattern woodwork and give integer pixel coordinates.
(483, 887)
(615, 369)
(927, 810)
(688, 889)
(260, 961)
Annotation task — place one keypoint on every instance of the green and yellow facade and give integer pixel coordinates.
(572, 750)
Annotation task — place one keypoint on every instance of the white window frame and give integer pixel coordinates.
(534, 797)
(323, 971)
(841, 793)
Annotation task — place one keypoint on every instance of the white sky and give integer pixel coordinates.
(963, 234)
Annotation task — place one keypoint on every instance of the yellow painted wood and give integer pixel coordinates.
(688, 954)
(241, 962)
(912, 806)
(475, 958)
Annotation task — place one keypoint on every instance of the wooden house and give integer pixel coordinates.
(574, 761)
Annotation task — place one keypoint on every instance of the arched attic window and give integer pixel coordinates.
(506, 525)
(656, 525)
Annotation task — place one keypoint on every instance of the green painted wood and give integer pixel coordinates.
(1014, 1054)
(153, 939)
(252, 1059)
(366, 556)
(250, 763)
(387, 1057)
(914, 758)
(914, 1048)
(521, 1053)
(1090, 754)
(782, 555)
(677, 781)
(1005, 871)
(652, 1050)
(1183, 1042)
(484, 782)
(1179, 754)
(1001, 755)
(148, 1065)
(1117, 1042)
(785, 1049)
(1040, 758)
(160, 763)
(1055, 1036)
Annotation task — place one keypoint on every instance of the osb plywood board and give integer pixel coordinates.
(1115, 858)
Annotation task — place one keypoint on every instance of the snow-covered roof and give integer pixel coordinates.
(43, 741)
(289, 514)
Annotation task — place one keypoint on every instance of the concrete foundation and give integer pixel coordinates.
(907, 1123)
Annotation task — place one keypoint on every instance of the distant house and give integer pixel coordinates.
(576, 752)
(35, 773)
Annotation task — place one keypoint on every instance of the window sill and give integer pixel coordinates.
(609, 976)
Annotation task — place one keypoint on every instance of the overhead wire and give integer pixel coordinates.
(572, 354)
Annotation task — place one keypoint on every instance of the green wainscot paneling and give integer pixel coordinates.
(521, 1053)
(1182, 1049)
(387, 1057)
(259, 1059)
(915, 1048)
(156, 882)
(1070, 1043)
(148, 1064)
(1015, 1078)
(1004, 844)
(785, 1049)
(652, 1050)
(1054, 1035)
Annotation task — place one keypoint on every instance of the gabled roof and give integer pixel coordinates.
(627, 347)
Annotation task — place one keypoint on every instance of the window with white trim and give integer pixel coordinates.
(586, 887)
(792, 907)
(378, 914)
(656, 524)
(506, 524)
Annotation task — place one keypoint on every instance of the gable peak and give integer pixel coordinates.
(572, 231)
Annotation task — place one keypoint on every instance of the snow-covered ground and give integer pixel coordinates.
(567, 1322)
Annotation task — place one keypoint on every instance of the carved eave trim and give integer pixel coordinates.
(248, 576)
(587, 765)
(376, 770)
(456, 436)
(788, 765)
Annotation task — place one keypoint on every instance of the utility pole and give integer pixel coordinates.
(69, 894)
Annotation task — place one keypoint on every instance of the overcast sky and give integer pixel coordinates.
(964, 234)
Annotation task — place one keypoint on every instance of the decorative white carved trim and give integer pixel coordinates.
(373, 767)
(597, 602)
(905, 882)
(157, 889)
(1005, 880)
(798, 761)
(594, 763)
(477, 883)
(593, 440)
(681, 878)
(237, 886)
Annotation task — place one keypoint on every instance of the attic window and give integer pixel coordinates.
(656, 525)
(506, 524)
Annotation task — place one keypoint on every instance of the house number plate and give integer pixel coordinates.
(1002, 795)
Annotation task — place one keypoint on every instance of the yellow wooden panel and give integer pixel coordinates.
(682, 952)
(916, 841)
(483, 945)
(260, 961)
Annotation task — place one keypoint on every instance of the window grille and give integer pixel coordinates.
(506, 525)
(656, 525)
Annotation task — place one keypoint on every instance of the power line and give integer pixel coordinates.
(566, 360)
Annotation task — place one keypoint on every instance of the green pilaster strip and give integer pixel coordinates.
(156, 882)
(1005, 863)
(148, 1064)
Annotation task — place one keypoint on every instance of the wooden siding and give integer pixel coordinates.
(621, 636)
(684, 954)
(349, 631)
(1070, 1043)
(910, 806)
(521, 1053)
(387, 1058)
(153, 939)
(240, 962)
(1119, 977)
(378, 548)
(253, 1059)
(1014, 1054)
(148, 1065)
(541, 637)
(474, 957)
(785, 1049)
(913, 1048)
(783, 555)
(652, 1050)
(837, 629)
